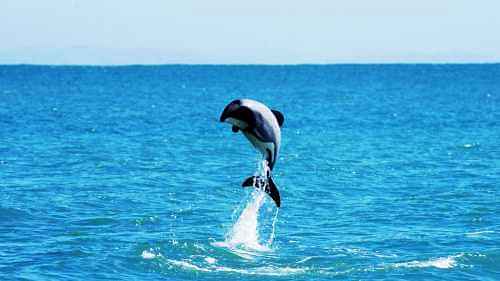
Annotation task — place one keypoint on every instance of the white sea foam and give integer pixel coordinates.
(265, 271)
(443, 263)
(147, 255)
(186, 265)
(365, 252)
(305, 259)
(210, 260)
(245, 253)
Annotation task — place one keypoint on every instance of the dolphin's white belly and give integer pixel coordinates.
(263, 147)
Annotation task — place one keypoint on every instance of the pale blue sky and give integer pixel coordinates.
(258, 31)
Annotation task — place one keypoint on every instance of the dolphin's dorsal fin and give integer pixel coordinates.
(279, 116)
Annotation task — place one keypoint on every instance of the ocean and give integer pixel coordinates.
(386, 172)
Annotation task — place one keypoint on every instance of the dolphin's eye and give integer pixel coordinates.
(245, 114)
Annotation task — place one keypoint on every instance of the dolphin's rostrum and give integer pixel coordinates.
(261, 126)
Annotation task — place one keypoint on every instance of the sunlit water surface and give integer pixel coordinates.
(386, 172)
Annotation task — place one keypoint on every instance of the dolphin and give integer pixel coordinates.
(261, 126)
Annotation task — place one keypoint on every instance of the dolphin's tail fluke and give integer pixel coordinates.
(265, 184)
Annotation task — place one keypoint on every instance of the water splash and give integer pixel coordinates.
(248, 230)
(273, 230)
(245, 231)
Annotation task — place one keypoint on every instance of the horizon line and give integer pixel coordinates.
(259, 64)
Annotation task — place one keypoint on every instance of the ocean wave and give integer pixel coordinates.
(478, 234)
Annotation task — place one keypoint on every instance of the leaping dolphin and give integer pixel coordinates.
(261, 126)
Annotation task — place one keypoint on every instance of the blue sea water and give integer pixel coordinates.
(124, 173)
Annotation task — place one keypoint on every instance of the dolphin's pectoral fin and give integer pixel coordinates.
(235, 129)
(266, 185)
(279, 116)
